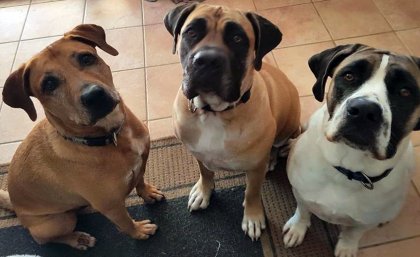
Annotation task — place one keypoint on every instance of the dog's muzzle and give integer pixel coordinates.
(97, 101)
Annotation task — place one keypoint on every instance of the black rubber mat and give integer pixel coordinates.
(213, 232)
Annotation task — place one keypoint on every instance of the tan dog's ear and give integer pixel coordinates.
(323, 64)
(267, 37)
(16, 91)
(91, 34)
(175, 18)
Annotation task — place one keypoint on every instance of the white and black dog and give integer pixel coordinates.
(352, 166)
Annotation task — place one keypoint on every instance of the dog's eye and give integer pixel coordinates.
(404, 92)
(237, 39)
(49, 84)
(87, 59)
(191, 33)
(349, 77)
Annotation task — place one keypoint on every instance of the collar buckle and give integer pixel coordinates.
(369, 183)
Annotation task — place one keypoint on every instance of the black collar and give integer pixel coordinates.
(366, 180)
(110, 138)
(245, 97)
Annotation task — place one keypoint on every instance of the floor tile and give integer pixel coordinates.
(7, 54)
(244, 5)
(308, 105)
(114, 13)
(416, 178)
(154, 12)
(269, 58)
(7, 151)
(43, 1)
(401, 14)
(351, 18)
(11, 22)
(406, 248)
(293, 61)
(407, 223)
(162, 84)
(131, 86)
(411, 39)
(161, 128)
(267, 4)
(9, 3)
(158, 46)
(415, 138)
(29, 48)
(53, 18)
(388, 41)
(129, 43)
(15, 123)
(299, 24)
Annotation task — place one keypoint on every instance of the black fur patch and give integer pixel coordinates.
(402, 107)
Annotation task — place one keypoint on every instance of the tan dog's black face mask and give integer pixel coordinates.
(219, 48)
(71, 81)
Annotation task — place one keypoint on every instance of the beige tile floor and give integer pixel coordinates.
(148, 75)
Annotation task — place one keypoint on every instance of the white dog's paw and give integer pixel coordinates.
(253, 225)
(294, 231)
(346, 249)
(199, 197)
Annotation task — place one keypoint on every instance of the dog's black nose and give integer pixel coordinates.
(209, 59)
(363, 110)
(98, 101)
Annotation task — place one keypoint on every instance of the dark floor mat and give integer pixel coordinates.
(213, 232)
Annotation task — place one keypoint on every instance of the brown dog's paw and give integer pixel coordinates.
(144, 229)
(150, 194)
(79, 240)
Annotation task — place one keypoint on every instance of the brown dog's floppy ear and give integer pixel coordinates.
(91, 34)
(16, 92)
(267, 37)
(175, 18)
(323, 64)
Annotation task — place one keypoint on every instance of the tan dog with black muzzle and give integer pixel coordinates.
(231, 108)
(90, 150)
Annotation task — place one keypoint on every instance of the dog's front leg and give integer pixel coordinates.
(119, 215)
(253, 221)
(201, 192)
(148, 192)
(348, 242)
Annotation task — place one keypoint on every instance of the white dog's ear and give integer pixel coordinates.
(267, 37)
(323, 64)
(175, 18)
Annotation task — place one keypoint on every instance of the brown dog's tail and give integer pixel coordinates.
(5, 200)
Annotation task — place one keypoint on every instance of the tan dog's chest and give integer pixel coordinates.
(222, 145)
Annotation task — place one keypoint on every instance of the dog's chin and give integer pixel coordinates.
(215, 102)
(112, 120)
(366, 147)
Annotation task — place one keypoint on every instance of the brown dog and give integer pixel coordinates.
(90, 150)
(231, 108)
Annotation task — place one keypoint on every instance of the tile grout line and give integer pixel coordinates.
(84, 12)
(415, 187)
(17, 47)
(323, 23)
(390, 25)
(146, 109)
(390, 242)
